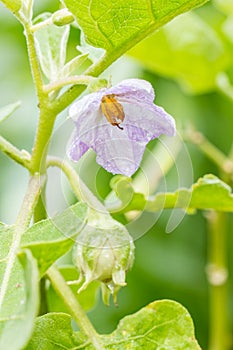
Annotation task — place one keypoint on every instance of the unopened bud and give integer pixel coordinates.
(104, 252)
(62, 17)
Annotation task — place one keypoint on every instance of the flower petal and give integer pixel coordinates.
(76, 148)
(117, 153)
(133, 90)
(84, 109)
(145, 122)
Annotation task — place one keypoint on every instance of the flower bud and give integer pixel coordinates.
(104, 251)
(62, 17)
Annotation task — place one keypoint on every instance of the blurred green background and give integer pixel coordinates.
(182, 62)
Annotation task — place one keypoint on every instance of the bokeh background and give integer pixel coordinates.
(183, 65)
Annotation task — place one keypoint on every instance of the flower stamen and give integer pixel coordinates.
(119, 127)
(112, 110)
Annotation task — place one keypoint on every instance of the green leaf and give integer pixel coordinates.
(162, 324)
(226, 6)
(7, 110)
(182, 48)
(119, 25)
(86, 298)
(208, 193)
(12, 5)
(51, 42)
(49, 239)
(74, 64)
(53, 331)
(19, 296)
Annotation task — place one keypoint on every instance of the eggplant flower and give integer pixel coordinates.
(117, 123)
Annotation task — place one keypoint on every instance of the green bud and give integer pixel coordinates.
(62, 17)
(104, 251)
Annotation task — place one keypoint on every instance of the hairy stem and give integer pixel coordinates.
(44, 132)
(217, 274)
(33, 60)
(65, 293)
(75, 79)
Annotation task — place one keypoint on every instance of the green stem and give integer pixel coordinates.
(74, 91)
(68, 97)
(39, 154)
(22, 222)
(75, 79)
(65, 293)
(224, 163)
(217, 277)
(46, 122)
(40, 25)
(79, 188)
(34, 62)
(21, 157)
(43, 297)
(44, 132)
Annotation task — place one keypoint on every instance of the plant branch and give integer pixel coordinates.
(40, 25)
(65, 293)
(34, 62)
(224, 163)
(75, 79)
(217, 274)
(21, 157)
(79, 188)
(44, 131)
(74, 91)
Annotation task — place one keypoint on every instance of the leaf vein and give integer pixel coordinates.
(97, 25)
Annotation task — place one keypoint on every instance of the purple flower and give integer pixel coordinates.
(117, 123)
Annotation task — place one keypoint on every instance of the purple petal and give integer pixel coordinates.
(118, 154)
(84, 109)
(115, 151)
(131, 90)
(76, 148)
(119, 151)
(145, 122)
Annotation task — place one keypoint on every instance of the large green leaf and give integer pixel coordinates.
(208, 193)
(187, 50)
(86, 298)
(160, 325)
(49, 239)
(116, 26)
(19, 296)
